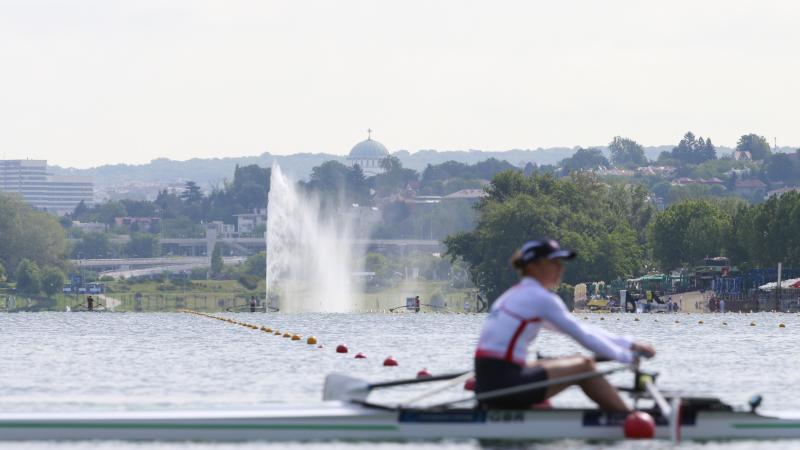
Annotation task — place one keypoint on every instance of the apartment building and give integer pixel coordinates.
(55, 194)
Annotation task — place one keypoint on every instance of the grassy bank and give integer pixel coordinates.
(221, 295)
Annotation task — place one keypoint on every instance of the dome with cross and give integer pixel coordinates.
(368, 155)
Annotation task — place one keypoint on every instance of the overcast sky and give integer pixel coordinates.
(84, 83)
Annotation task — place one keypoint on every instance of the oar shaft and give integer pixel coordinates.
(438, 389)
(497, 393)
(416, 380)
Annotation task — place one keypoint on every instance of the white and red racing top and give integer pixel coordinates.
(517, 316)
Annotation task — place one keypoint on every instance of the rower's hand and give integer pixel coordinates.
(644, 349)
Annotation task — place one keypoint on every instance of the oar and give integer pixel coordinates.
(339, 386)
(669, 412)
(497, 393)
(430, 393)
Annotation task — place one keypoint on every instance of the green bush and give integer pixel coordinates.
(28, 276)
(250, 282)
(52, 281)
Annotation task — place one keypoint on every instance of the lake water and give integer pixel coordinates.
(90, 361)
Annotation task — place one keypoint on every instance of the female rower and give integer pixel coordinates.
(516, 318)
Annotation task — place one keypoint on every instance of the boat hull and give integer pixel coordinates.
(341, 421)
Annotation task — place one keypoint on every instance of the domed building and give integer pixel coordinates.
(368, 155)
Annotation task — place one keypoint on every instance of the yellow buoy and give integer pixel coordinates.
(700, 322)
(781, 326)
(311, 340)
(635, 319)
(602, 318)
(268, 330)
(277, 333)
(677, 321)
(724, 323)
(752, 324)
(287, 335)
(295, 337)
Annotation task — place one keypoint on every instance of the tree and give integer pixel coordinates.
(250, 187)
(584, 159)
(2, 273)
(451, 176)
(336, 182)
(766, 233)
(93, 245)
(693, 150)
(191, 193)
(757, 146)
(217, 264)
(780, 167)
(143, 245)
(577, 210)
(626, 152)
(256, 265)
(379, 264)
(28, 277)
(29, 234)
(394, 178)
(391, 163)
(52, 280)
(688, 231)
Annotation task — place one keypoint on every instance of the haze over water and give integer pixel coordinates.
(84, 361)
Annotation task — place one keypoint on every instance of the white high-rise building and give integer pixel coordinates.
(56, 194)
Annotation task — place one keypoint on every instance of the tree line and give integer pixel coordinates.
(616, 230)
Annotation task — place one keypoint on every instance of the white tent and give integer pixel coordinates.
(785, 284)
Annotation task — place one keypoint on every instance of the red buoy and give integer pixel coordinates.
(469, 385)
(544, 404)
(360, 355)
(640, 425)
(424, 374)
(341, 348)
(390, 362)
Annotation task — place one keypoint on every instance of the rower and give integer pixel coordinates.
(90, 303)
(514, 322)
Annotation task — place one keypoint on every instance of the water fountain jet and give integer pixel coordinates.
(310, 259)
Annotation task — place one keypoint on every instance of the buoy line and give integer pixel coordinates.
(311, 340)
(390, 361)
(699, 322)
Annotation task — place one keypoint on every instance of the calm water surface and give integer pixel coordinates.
(86, 361)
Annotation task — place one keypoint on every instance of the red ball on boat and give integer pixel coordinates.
(360, 355)
(424, 374)
(640, 425)
(469, 385)
(341, 348)
(390, 362)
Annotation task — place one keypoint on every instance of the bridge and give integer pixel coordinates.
(132, 267)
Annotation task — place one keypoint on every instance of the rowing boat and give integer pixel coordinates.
(346, 413)
(701, 419)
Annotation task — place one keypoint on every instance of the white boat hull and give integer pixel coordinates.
(342, 421)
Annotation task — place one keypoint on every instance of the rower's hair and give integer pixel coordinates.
(516, 261)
